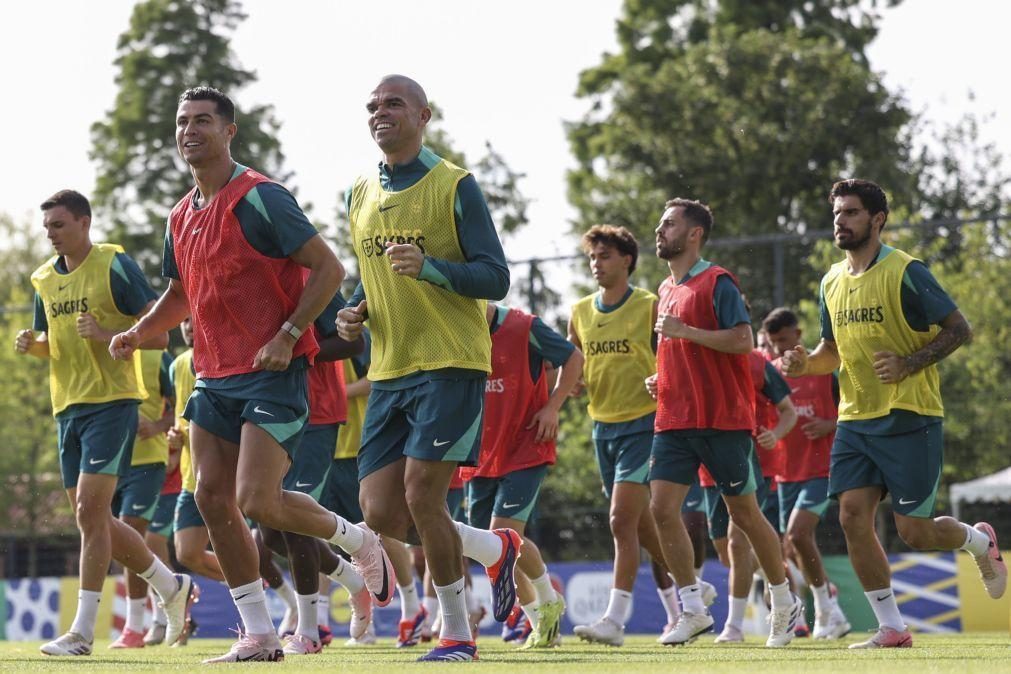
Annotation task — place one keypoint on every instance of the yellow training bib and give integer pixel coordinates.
(184, 380)
(349, 439)
(153, 449)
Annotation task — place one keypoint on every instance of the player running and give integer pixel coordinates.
(885, 323)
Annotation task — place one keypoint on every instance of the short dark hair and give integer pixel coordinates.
(779, 318)
(73, 201)
(697, 212)
(871, 196)
(222, 104)
(613, 235)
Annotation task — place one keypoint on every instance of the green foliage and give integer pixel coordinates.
(169, 47)
(32, 500)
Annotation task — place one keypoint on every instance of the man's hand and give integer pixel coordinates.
(24, 341)
(146, 429)
(890, 368)
(766, 438)
(670, 326)
(351, 321)
(795, 361)
(651, 385)
(406, 259)
(546, 421)
(122, 346)
(176, 438)
(88, 328)
(275, 355)
(818, 428)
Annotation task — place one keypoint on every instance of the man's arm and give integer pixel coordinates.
(573, 337)
(168, 312)
(797, 362)
(767, 438)
(737, 339)
(955, 331)
(331, 345)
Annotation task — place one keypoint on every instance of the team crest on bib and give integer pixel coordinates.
(367, 247)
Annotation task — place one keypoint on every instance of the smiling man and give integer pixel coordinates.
(429, 257)
(246, 262)
(84, 295)
(885, 324)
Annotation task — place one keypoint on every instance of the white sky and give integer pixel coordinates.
(504, 72)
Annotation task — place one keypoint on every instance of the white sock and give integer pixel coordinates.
(453, 604)
(135, 614)
(698, 573)
(409, 604)
(822, 599)
(531, 611)
(161, 578)
(159, 613)
(618, 606)
(737, 607)
(669, 599)
(481, 545)
(431, 605)
(543, 588)
(885, 608)
(323, 609)
(286, 594)
(781, 595)
(346, 575)
(976, 542)
(251, 601)
(691, 599)
(87, 613)
(307, 614)
(347, 536)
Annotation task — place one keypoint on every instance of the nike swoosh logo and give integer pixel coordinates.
(303, 484)
(903, 501)
(241, 596)
(511, 505)
(885, 597)
(95, 462)
(440, 444)
(385, 594)
(383, 209)
(197, 231)
(64, 287)
(853, 290)
(737, 484)
(600, 325)
(139, 507)
(691, 504)
(259, 411)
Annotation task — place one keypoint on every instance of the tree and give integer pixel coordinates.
(169, 47)
(754, 108)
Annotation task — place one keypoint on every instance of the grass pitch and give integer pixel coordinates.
(962, 653)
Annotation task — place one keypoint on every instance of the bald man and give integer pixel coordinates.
(429, 258)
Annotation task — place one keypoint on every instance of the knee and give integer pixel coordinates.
(91, 515)
(798, 538)
(382, 520)
(661, 512)
(915, 534)
(213, 503)
(274, 540)
(623, 527)
(259, 505)
(189, 556)
(855, 521)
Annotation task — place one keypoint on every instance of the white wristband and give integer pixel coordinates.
(292, 330)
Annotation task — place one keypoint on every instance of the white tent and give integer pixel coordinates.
(994, 488)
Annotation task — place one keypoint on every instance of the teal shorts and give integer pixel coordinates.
(187, 513)
(717, 515)
(312, 461)
(729, 456)
(340, 493)
(455, 504)
(137, 493)
(437, 420)
(164, 515)
(810, 495)
(623, 459)
(278, 404)
(97, 442)
(695, 501)
(513, 495)
(907, 465)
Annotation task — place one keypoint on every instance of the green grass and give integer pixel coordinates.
(963, 653)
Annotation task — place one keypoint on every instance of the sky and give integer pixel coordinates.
(503, 72)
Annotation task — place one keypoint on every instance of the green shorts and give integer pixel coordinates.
(513, 495)
(312, 460)
(437, 420)
(623, 459)
(717, 515)
(97, 441)
(278, 404)
(137, 493)
(164, 515)
(340, 493)
(810, 495)
(695, 501)
(456, 506)
(187, 513)
(906, 465)
(729, 456)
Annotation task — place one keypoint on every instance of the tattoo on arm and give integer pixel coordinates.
(954, 333)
